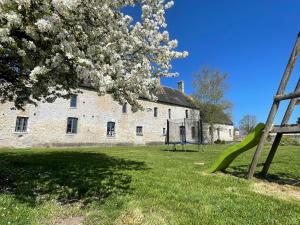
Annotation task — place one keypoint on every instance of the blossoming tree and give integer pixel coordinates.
(49, 47)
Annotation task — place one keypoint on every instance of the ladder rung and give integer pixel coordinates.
(286, 129)
(287, 96)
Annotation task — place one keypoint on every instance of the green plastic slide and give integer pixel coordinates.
(234, 151)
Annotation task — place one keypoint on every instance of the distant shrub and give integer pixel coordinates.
(289, 141)
(218, 141)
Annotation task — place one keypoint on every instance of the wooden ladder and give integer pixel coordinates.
(284, 127)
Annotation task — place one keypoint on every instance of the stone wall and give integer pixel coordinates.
(47, 122)
(223, 132)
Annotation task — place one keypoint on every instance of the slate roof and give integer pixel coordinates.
(174, 97)
(222, 118)
(164, 95)
(219, 118)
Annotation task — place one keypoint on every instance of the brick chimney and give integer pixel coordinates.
(181, 86)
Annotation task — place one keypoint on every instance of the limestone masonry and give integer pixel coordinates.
(90, 119)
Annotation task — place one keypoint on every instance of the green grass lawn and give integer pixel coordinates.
(143, 185)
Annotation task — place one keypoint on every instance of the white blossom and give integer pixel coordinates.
(85, 62)
(69, 55)
(89, 40)
(13, 19)
(38, 70)
(25, 3)
(169, 4)
(21, 53)
(29, 45)
(44, 25)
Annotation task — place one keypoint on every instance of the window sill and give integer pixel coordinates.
(20, 132)
(70, 134)
(73, 107)
(110, 137)
(139, 135)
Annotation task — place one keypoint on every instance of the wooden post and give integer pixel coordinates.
(287, 96)
(184, 121)
(201, 132)
(168, 132)
(278, 137)
(274, 108)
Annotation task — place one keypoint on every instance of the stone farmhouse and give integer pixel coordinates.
(89, 119)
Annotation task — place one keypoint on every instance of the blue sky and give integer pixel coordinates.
(250, 40)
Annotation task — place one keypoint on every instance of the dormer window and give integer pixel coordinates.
(186, 114)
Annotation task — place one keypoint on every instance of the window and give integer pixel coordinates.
(193, 132)
(72, 125)
(169, 113)
(230, 134)
(73, 101)
(155, 111)
(124, 108)
(21, 124)
(164, 132)
(182, 133)
(210, 131)
(139, 131)
(218, 130)
(111, 129)
(186, 113)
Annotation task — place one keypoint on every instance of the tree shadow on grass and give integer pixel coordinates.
(178, 150)
(67, 177)
(279, 178)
